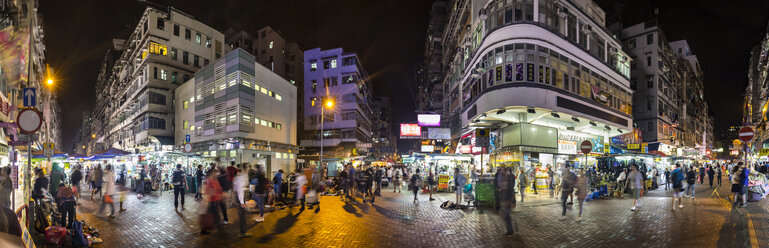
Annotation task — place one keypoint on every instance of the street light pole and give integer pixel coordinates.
(322, 116)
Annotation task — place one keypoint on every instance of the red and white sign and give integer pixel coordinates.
(29, 120)
(746, 134)
(411, 130)
(586, 146)
(187, 147)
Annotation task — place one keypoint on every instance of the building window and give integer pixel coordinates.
(157, 98)
(196, 61)
(278, 97)
(208, 42)
(648, 61)
(154, 72)
(186, 125)
(278, 126)
(161, 23)
(186, 104)
(313, 66)
(631, 43)
(174, 77)
(173, 53)
(176, 29)
(163, 74)
(198, 39)
(648, 104)
(650, 81)
(155, 48)
(271, 44)
(187, 34)
(348, 61)
(314, 85)
(263, 33)
(312, 101)
(156, 123)
(649, 39)
(185, 58)
(326, 64)
(333, 63)
(205, 62)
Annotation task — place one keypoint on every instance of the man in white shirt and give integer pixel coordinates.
(240, 185)
(300, 182)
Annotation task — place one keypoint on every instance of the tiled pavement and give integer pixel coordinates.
(395, 221)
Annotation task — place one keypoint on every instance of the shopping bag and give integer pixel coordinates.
(55, 235)
(108, 199)
(206, 221)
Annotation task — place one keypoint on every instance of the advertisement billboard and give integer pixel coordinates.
(429, 120)
(439, 133)
(428, 148)
(411, 130)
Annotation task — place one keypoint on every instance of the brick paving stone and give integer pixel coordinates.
(396, 221)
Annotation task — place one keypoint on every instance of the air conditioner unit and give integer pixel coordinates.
(587, 28)
(613, 50)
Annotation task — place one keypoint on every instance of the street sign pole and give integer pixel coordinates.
(27, 179)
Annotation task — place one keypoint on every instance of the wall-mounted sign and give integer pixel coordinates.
(429, 120)
(633, 146)
(577, 137)
(428, 148)
(439, 133)
(411, 130)
(567, 147)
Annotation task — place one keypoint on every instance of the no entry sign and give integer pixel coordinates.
(586, 146)
(746, 134)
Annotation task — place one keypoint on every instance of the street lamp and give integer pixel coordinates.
(329, 103)
(49, 81)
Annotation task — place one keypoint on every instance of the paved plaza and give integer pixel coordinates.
(394, 220)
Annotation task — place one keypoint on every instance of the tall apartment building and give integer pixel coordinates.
(541, 75)
(337, 76)
(381, 127)
(431, 91)
(757, 93)
(670, 107)
(238, 109)
(136, 93)
(22, 64)
(276, 54)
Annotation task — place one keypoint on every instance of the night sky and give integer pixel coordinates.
(388, 36)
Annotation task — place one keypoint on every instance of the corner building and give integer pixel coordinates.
(542, 75)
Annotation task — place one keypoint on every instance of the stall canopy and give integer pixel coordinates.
(77, 155)
(56, 154)
(112, 152)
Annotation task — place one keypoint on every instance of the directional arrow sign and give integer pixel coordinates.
(30, 97)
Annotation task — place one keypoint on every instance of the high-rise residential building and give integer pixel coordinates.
(541, 75)
(430, 75)
(22, 65)
(756, 94)
(339, 77)
(670, 107)
(243, 113)
(276, 54)
(381, 127)
(164, 50)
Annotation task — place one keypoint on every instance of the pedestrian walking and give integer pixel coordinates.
(179, 180)
(459, 184)
(711, 174)
(567, 187)
(522, 182)
(74, 179)
(719, 174)
(6, 187)
(691, 181)
(414, 182)
(677, 177)
(667, 179)
(199, 183)
(121, 186)
(506, 184)
(378, 174)
(240, 185)
(109, 191)
(581, 191)
(621, 181)
(226, 184)
(231, 171)
(57, 176)
(397, 175)
(739, 182)
(551, 181)
(533, 178)
(368, 175)
(140, 187)
(65, 199)
(277, 182)
(97, 177)
(300, 182)
(213, 195)
(431, 185)
(345, 184)
(635, 179)
(702, 174)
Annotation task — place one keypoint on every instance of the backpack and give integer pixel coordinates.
(677, 179)
(275, 179)
(691, 177)
(225, 183)
(413, 180)
(178, 178)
